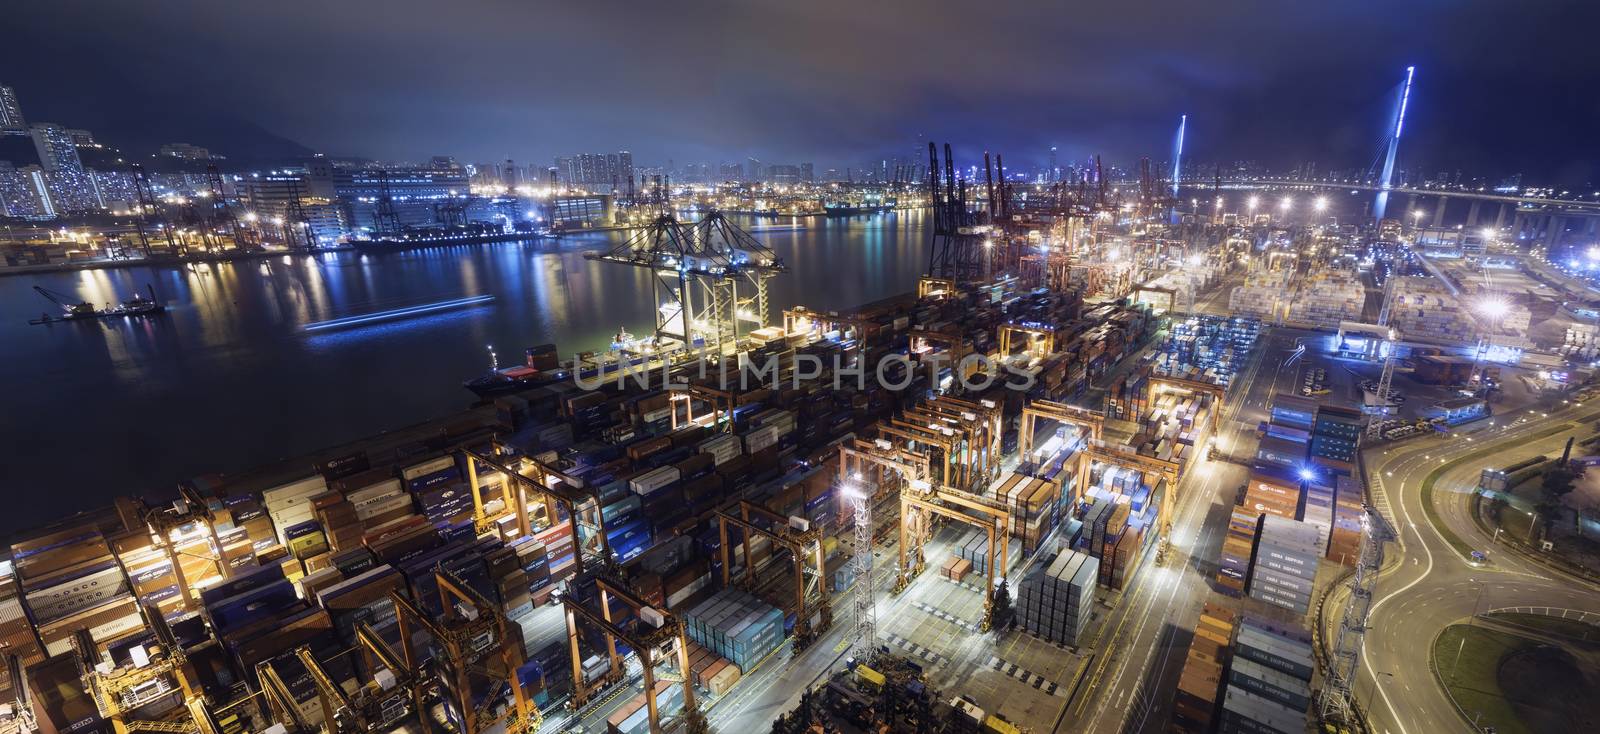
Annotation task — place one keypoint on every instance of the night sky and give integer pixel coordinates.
(1502, 86)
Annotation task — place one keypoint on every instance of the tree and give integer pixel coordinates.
(1557, 482)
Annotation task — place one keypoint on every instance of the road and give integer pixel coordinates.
(1429, 584)
(1150, 631)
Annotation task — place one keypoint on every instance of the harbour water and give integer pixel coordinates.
(229, 379)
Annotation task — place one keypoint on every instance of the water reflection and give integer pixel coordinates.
(227, 380)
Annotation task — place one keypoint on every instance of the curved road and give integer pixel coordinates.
(1428, 585)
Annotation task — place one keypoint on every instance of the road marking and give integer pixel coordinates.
(1038, 682)
(946, 616)
(928, 656)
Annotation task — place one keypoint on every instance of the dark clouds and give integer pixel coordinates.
(1501, 86)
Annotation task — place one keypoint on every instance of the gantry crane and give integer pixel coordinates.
(474, 649)
(659, 634)
(804, 544)
(119, 693)
(390, 693)
(23, 720)
(190, 509)
(697, 271)
(525, 475)
(955, 246)
(917, 506)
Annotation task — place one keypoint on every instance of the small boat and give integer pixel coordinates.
(137, 306)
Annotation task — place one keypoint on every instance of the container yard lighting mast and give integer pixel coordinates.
(698, 272)
(1386, 377)
(1338, 702)
(866, 613)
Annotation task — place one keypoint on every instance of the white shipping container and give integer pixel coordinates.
(388, 504)
(381, 489)
(427, 467)
(293, 492)
(651, 481)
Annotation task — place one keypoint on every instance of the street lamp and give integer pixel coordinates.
(1321, 204)
(1254, 200)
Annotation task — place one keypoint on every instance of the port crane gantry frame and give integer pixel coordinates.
(711, 257)
(955, 245)
(554, 487)
(374, 708)
(878, 456)
(1039, 339)
(916, 529)
(470, 634)
(1097, 452)
(119, 692)
(806, 558)
(162, 520)
(722, 403)
(1085, 420)
(644, 644)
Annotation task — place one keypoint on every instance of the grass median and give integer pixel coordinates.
(1455, 541)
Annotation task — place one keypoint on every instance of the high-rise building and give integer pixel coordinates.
(754, 169)
(807, 172)
(11, 121)
(596, 171)
(19, 196)
(70, 190)
(56, 150)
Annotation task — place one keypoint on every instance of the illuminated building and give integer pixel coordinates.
(11, 121)
(19, 197)
(68, 187)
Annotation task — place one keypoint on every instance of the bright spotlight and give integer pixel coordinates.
(1307, 475)
(1494, 308)
(1322, 203)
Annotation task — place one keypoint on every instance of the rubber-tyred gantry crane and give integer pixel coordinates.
(659, 639)
(479, 664)
(805, 553)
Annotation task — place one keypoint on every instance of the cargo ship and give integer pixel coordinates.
(540, 367)
(413, 239)
(847, 209)
(138, 305)
(543, 367)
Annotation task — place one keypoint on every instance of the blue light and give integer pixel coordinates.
(398, 313)
(1307, 475)
(1405, 97)
(1177, 159)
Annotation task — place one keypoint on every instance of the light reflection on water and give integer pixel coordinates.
(227, 380)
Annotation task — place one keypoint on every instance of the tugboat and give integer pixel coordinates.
(138, 305)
